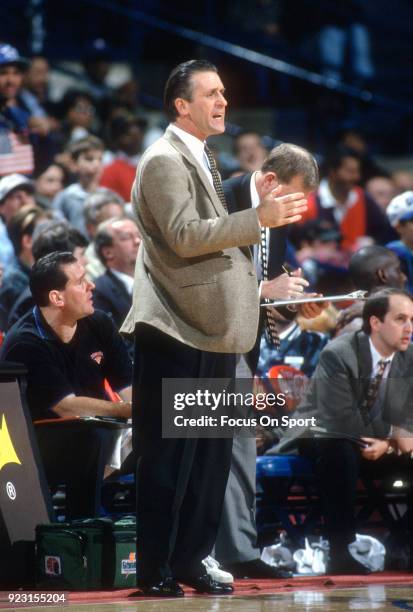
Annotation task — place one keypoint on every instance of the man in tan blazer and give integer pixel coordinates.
(195, 304)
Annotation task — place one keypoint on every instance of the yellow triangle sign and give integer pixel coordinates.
(7, 452)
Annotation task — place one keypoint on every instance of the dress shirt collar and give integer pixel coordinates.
(195, 145)
(376, 357)
(125, 279)
(255, 198)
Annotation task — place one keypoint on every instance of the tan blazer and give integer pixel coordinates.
(194, 277)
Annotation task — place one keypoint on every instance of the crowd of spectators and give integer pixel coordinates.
(66, 174)
(69, 164)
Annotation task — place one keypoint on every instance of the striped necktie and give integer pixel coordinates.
(373, 391)
(216, 178)
(271, 332)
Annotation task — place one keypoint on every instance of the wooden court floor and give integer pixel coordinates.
(370, 597)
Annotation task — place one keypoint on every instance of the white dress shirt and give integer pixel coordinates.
(255, 200)
(125, 279)
(376, 357)
(196, 147)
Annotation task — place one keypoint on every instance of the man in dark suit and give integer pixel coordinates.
(195, 304)
(287, 168)
(362, 389)
(116, 243)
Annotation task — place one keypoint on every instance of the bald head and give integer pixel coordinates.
(375, 266)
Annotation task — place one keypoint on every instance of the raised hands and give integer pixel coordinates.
(275, 210)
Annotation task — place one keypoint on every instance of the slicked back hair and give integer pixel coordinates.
(378, 305)
(179, 84)
(48, 274)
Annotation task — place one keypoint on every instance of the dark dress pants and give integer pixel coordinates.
(338, 465)
(180, 482)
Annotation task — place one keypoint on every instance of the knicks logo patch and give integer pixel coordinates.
(98, 356)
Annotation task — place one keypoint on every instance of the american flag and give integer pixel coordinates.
(16, 153)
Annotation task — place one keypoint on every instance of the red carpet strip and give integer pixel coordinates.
(246, 588)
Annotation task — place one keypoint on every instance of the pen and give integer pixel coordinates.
(285, 270)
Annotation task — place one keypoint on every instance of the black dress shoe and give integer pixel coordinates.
(205, 584)
(346, 565)
(257, 569)
(164, 588)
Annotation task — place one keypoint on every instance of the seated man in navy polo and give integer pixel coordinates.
(75, 358)
(77, 366)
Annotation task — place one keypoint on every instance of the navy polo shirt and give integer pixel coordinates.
(57, 369)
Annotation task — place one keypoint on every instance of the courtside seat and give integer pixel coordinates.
(118, 495)
(74, 452)
(287, 497)
(283, 466)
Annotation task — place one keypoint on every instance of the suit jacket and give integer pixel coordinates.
(238, 196)
(111, 296)
(340, 382)
(194, 278)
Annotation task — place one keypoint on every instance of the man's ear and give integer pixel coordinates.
(56, 298)
(381, 275)
(181, 106)
(270, 180)
(107, 252)
(374, 322)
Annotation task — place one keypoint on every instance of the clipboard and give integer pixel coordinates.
(321, 432)
(347, 297)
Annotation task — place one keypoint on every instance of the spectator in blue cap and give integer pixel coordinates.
(400, 215)
(11, 57)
